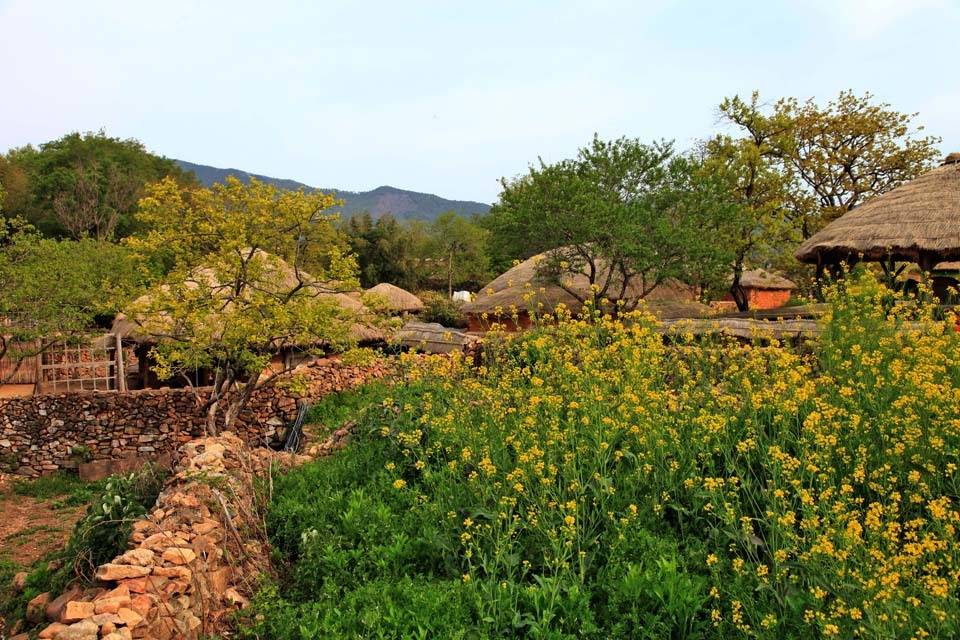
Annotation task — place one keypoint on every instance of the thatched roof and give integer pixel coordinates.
(279, 275)
(524, 288)
(761, 279)
(916, 222)
(432, 337)
(397, 299)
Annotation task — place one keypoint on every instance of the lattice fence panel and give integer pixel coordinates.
(78, 368)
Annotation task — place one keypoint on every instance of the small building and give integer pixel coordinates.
(764, 290)
(514, 298)
(53, 364)
(396, 299)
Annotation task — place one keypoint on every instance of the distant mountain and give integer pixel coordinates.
(401, 203)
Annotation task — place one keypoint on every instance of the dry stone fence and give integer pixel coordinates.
(193, 561)
(110, 431)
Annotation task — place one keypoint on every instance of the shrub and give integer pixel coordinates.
(439, 308)
(591, 481)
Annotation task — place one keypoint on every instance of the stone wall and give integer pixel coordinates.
(188, 566)
(42, 434)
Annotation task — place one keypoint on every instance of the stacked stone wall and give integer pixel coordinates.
(42, 434)
(192, 562)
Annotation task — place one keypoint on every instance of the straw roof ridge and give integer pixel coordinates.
(397, 298)
(762, 279)
(282, 275)
(918, 221)
(523, 287)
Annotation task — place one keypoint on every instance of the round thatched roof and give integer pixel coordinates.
(397, 299)
(916, 222)
(522, 287)
(279, 275)
(761, 279)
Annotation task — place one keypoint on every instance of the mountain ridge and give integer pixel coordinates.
(401, 203)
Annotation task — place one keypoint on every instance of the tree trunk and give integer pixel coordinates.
(737, 291)
(739, 295)
(450, 276)
(221, 386)
(238, 402)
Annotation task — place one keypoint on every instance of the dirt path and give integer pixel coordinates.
(31, 528)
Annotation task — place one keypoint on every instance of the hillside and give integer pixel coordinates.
(401, 203)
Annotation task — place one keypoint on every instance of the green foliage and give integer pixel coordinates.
(70, 488)
(82, 184)
(386, 250)
(237, 293)
(450, 252)
(592, 482)
(105, 529)
(836, 155)
(758, 224)
(625, 214)
(439, 307)
(458, 249)
(56, 291)
(337, 408)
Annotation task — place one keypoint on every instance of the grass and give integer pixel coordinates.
(335, 409)
(68, 489)
(29, 532)
(590, 481)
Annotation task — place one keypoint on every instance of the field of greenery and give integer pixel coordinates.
(593, 481)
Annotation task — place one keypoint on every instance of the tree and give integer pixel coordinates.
(386, 250)
(626, 214)
(237, 295)
(53, 292)
(840, 154)
(458, 247)
(759, 222)
(82, 184)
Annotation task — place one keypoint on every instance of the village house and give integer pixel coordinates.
(763, 290)
(514, 298)
(131, 329)
(918, 222)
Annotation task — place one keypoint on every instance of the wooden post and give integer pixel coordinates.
(38, 363)
(121, 372)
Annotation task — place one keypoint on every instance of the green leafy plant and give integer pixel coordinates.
(441, 309)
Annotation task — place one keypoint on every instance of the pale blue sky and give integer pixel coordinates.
(446, 97)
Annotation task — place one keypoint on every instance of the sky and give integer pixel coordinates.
(448, 97)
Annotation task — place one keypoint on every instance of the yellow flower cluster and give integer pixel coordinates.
(821, 479)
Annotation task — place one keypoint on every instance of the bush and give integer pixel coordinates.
(591, 481)
(439, 308)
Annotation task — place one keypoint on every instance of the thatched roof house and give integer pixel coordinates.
(524, 289)
(142, 323)
(278, 274)
(762, 279)
(764, 290)
(916, 222)
(397, 300)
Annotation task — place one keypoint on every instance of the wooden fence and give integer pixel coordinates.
(95, 364)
